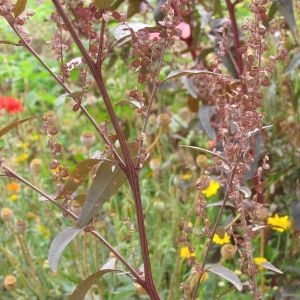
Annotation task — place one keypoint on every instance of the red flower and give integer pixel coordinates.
(10, 104)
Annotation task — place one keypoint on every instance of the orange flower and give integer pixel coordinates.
(13, 187)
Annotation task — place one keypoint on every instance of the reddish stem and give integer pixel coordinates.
(236, 38)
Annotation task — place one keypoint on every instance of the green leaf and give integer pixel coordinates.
(106, 183)
(83, 287)
(180, 73)
(58, 245)
(77, 177)
(226, 274)
(19, 7)
(7, 128)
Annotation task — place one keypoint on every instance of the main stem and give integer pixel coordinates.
(130, 170)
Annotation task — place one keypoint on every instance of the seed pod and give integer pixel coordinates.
(6, 214)
(262, 213)
(10, 282)
(88, 139)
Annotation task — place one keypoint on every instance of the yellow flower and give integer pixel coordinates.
(23, 145)
(45, 232)
(13, 197)
(22, 157)
(221, 241)
(31, 216)
(279, 223)
(212, 189)
(259, 260)
(13, 187)
(186, 176)
(185, 253)
(195, 276)
(35, 137)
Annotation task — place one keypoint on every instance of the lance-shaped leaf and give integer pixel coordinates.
(102, 4)
(19, 7)
(83, 287)
(271, 267)
(287, 10)
(58, 245)
(77, 177)
(226, 274)
(108, 179)
(180, 73)
(123, 30)
(294, 63)
(9, 127)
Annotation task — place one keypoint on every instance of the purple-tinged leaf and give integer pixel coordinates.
(58, 245)
(226, 274)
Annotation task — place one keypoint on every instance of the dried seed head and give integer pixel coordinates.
(202, 183)
(35, 166)
(50, 118)
(6, 214)
(164, 120)
(228, 251)
(201, 161)
(88, 139)
(10, 282)
(155, 164)
(262, 213)
(159, 205)
(21, 226)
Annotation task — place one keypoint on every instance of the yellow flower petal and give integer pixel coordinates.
(212, 189)
(278, 223)
(185, 253)
(221, 241)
